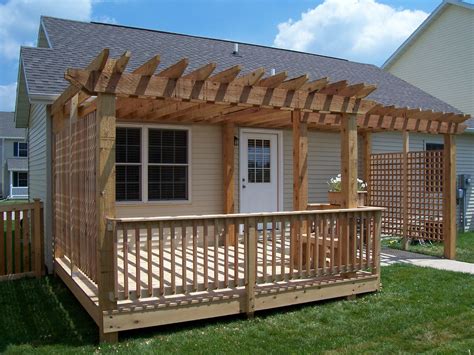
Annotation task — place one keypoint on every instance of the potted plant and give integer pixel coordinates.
(334, 192)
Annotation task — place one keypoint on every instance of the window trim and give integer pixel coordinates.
(17, 172)
(17, 143)
(144, 165)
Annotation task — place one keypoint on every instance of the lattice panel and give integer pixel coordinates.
(424, 193)
(75, 208)
(386, 190)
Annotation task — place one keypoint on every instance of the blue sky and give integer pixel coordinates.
(361, 30)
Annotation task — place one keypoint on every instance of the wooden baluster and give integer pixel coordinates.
(369, 241)
(246, 248)
(137, 260)
(299, 236)
(251, 267)
(309, 225)
(293, 241)
(264, 249)
(216, 254)
(322, 254)
(282, 248)
(184, 256)
(226, 252)
(173, 258)
(206, 256)
(149, 235)
(363, 218)
(354, 241)
(317, 231)
(115, 259)
(273, 249)
(195, 258)
(9, 269)
(125, 261)
(161, 241)
(236, 251)
(332, 243)
(376, 244)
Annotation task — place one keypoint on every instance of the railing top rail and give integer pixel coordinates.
(241, 215)
(18, 207)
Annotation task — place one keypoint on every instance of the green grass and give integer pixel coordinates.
(464, 247)
(12, 202)
(418, 310)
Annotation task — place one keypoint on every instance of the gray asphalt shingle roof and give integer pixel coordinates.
(7, 126)
(75, 44)
(17, 164)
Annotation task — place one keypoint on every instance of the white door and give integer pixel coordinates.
(259, 172)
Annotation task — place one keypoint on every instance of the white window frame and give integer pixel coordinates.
(144, 165)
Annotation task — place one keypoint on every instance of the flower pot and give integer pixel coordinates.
(335, 198)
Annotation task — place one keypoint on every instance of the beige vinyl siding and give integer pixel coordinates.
(206, 180)
(392, 142)
(39, 167)
(441, 60)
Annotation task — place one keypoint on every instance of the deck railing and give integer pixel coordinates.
(21, 240)
(163, 256)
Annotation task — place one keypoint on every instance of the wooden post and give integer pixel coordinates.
(349, 161)
(449, 195)
(251, 267)
(366, 152)
(105, 182)
(300, 161)
(37, 238)
(348, 180)
(406, 149)
(228, 175)
(300, 179)
(71, 186)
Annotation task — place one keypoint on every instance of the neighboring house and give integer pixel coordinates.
(439, 59)
(14, 154)
(192, 184)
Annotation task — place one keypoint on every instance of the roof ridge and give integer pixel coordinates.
(201, 37)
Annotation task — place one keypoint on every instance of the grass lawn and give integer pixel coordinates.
(464, 247)
(418, 310)
(12, 202)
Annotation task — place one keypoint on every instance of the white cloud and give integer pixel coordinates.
(7, 97)
(361, 30)
(19, 20)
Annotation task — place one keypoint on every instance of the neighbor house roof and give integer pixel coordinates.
(17, 164)
(424, 25)
(74, 44)
(7, 127)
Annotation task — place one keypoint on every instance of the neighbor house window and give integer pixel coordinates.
(20, 179)
(20, 149)
(434, 146)
(128, 164)
(167, 164)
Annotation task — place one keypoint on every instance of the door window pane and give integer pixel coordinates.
(259, 158)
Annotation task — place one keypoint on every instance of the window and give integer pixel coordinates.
(20, 149)
(20, 179)
(152, 164)
(167, 164)
(434, 146)
(259, 160)
(128, 164)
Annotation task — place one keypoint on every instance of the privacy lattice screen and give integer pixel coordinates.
(424, 193)
(75, 208)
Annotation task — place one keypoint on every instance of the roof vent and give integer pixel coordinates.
(272, 72)
(236, 49)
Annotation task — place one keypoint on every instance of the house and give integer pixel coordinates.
(14, 153)
(441, 50)
(192, 183)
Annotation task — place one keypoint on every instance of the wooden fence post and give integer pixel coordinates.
(376, 250)
(449, 195)
(229, 176)
(37, 238)
(251, 267)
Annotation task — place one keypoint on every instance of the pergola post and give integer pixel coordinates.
(105, 187)
(349, 156)
(300, 178)
(449, 195)
(406, 149)
(349, 161)
(228, 174)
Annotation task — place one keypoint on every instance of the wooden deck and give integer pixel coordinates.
(191, 269)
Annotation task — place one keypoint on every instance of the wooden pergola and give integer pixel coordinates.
(229, 99)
